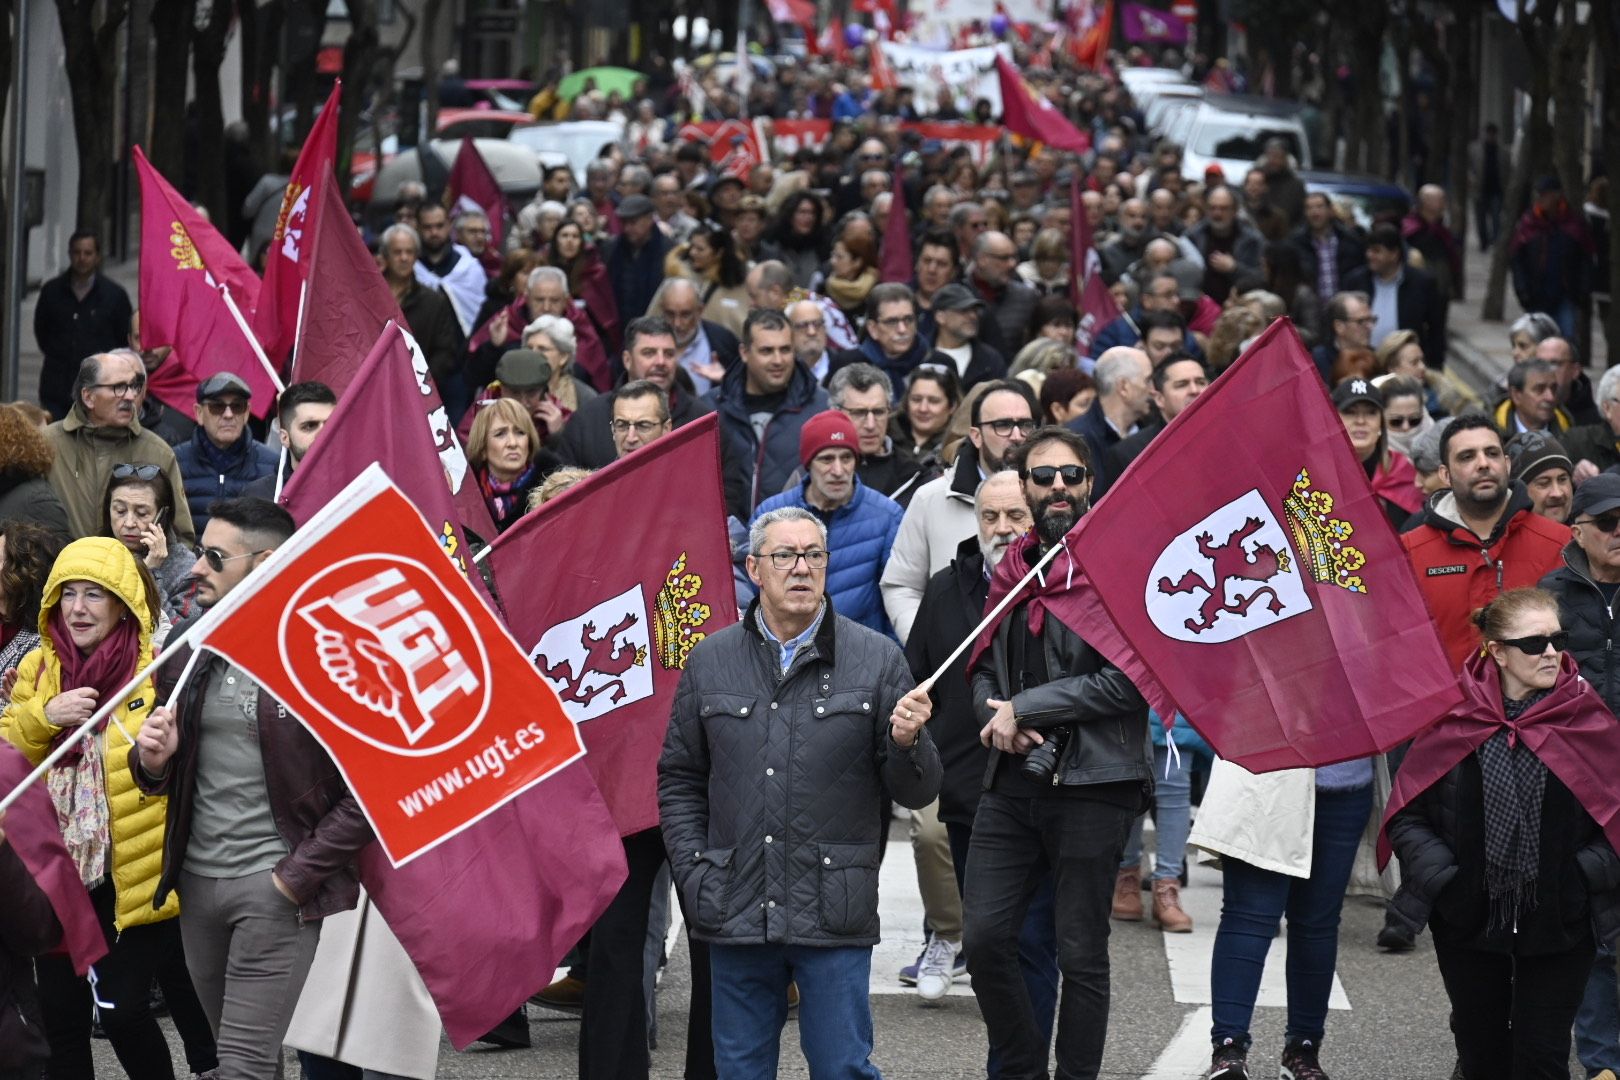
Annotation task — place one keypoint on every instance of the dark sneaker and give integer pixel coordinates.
(1229, 1062)
(1299, 1062)
(1396, 938)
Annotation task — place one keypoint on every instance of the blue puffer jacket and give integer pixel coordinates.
(859, 536)
(754, 467)
(210, 473)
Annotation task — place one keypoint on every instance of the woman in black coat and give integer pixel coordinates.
(1495, 817)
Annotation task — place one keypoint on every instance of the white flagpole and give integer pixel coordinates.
(247, 332)
(281, 473)
(990, 617)
(298, 329)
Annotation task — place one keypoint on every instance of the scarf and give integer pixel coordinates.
(1569, 731)
(78, 787)
(850, 293)
(503, 498)
(1395, 480)
(1515, 781)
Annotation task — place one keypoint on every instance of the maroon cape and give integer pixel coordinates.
(1570, 730)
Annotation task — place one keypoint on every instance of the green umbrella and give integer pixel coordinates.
(608, 79)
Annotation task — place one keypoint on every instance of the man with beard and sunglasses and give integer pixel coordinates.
(1038, 682)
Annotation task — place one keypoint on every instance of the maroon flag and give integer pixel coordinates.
(31, 830)
(471, 179)
(286, 263)
(196, 296)
(1026, 113)
(1097, 310)
(1255, 584)
(1082, 246)
(612, 637)
(897, 231)
(424, 459)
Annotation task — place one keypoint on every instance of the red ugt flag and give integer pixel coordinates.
(286, 264)
(470, 178)
(423, 458)
(495, 854)
(1256, 579)
(1026, 113)
(187, 272)
(612, 633)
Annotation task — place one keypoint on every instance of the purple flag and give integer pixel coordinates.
(1143, 23)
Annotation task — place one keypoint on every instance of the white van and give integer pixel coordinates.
(1231, 132)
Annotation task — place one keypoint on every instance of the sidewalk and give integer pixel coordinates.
(1478, 352)
(126, 274)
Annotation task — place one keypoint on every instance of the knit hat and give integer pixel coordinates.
(828, 430)
(1534, 452)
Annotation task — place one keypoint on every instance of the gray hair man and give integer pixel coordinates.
(863, 393)
(1595, 447)
(773, 827)
(1124, 379)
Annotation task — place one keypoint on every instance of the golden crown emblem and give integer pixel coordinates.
(678, 616)
(183, 250)
(1329, 558)
(288, 200)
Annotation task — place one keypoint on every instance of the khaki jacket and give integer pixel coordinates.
(85, 457)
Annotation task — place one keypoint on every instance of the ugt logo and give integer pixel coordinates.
(387, 655)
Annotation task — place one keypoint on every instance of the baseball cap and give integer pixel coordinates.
(523, 368)
(830, 430)
(219, 385)
(634, 206)
(1596, 496)
(956, 297)
(1351, 391)
(1532, 453)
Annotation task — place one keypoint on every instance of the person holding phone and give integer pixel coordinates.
(138, 509)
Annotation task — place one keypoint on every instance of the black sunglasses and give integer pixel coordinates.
(217, 558)
(1043, 475)
(1605, 522)
(1537, 644)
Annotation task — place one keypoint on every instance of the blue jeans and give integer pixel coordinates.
(1172, 795)
(750, 1007)
(1253, 903)
(1037, 945)
(1597, 1025)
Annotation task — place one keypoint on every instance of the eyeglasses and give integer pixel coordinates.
(895, 322)
(1403, 423)
(1005, 428)
(815, 559)
(811, 326)
(138, 472)
(871, 157)
(859, 415)
(1606, 523)
(1537, 644)
(640, 427)
(1043, 475)
(217, 558)
(121, 389)
(233, 406)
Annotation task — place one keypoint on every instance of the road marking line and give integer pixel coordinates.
(1187, 1054)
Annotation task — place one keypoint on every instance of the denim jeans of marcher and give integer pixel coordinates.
(750, 1007)
(1254, 902)
(1037, 945)
(1172, 817)
(1597, 1025)
(1014, 841)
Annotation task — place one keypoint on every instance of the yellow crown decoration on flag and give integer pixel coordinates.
(184, 251)
(1329, 558)
(677, 618)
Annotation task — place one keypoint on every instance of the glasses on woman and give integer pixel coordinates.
(136, 472)
(1537, 644)
(1403, 423)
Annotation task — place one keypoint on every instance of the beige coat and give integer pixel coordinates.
(1268, 820)
(85, 457)
(363, 1003)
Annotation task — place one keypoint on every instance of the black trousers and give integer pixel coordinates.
(1014, 841)
(1516, 1010)
(613, 1029)
(124, 976)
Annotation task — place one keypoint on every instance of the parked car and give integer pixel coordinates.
(479, 123)
(1231, 131)
(1367, 197)
(516, 168)
(579, 142)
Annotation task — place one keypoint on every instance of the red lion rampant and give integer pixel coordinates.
(603, 656)
(1231, 564)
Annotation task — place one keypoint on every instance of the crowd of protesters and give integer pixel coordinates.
(887, 439)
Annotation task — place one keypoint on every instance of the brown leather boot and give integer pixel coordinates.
(1167, 907)
(1128, 895)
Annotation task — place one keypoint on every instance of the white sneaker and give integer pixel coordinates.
(934, 972)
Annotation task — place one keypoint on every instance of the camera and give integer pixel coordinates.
(1040, 765)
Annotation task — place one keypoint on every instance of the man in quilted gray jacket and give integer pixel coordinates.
(787, 731)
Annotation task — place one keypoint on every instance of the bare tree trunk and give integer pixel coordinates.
(172, 24)
(1569, 92)
(359, 61)
(1461, 116)
(207, 56)
(301, 73)
(261, 32)
(89, 46)
(432, 60)
(8, 13)
(1534, 147)
(1606, 27)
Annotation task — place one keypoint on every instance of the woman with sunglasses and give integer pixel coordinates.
(138, 510)
(1494, 818)
(96, 620)
(1393, 479)
(1405, 415)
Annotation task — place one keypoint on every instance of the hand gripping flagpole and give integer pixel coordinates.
(991, 616)
(107, 711)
